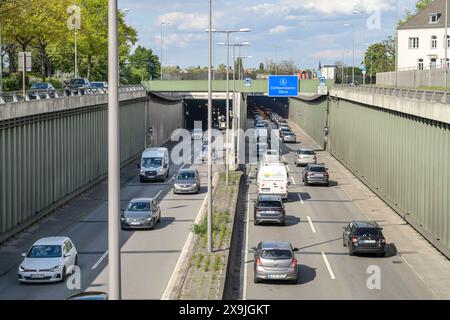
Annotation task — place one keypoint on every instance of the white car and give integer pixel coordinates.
(305, 156)
(48, 260)
(271, 156)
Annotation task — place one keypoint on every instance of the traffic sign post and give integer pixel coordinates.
(24, 66)
(248, 82)
(283, 86)
(322, 90)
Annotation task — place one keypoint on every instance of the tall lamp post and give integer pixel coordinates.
(114, 282)
(227, 152)
(161, 38)
(446, 50)
(371, 61)
(210, 208)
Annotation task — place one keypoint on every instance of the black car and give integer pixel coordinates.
(269, 209)
(364, 237)
(41, 89)
(315, 174)
(78, 86)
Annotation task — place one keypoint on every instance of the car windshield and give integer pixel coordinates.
(367, 232)
(151, 162)
(198, 130)
(98, 84)
(139, 206)
(317, 169)
(307, 152)
(271, 204)
(271, 153)
(40, 85)
(186, 176)
(44, 251)
(77, 81)
(276, 254)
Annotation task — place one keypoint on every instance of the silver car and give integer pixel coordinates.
(187, 181)
(275, 260)
(142, 213)
(305, 156)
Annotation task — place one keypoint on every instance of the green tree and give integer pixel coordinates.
(144, 61)
(378, 59)
(261, 67)
(420, 5)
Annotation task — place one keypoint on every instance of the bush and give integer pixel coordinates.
(11, 83)
(56, 83)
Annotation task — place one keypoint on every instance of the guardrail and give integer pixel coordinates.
(30, 95)
(425, 95)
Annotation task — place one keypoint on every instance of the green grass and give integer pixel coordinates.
(206, 263)
(216, 263)
(199, 260)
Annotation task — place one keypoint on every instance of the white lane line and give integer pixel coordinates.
(293, 181)
(183, 258)
(311, 224)
(330, 271)
(158, 194)
(244, 294)
(100, 260)
(287, 168)
(284, 159)
(300, 198)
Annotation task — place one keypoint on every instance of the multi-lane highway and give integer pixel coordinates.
(148, 256)
(316, 216)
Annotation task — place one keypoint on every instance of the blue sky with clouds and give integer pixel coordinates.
(303, 30)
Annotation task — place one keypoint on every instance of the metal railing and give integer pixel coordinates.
(30, 95)
(424, 95)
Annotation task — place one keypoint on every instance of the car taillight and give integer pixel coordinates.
(354, 239)
(310, 174)
(258, 209)
(293, 263)
(325, 174)
(383, 240)
(258, 262)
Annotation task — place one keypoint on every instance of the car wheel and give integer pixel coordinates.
(343, 243)
(382, 254)
(294, 281)
(283, 223)
(306, 183)
(64, 274)
(350, 251)
(141, 179)
(256, 279)
(159, 218)
(76, 260)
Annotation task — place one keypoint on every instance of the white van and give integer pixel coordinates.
(273, 179)
(154, 164)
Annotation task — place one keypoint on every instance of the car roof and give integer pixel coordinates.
(188, 170)
(142, 200)
(157, 151)
(50, 241)
(275, 245)
(366, 224)
(314, 165)
(269, 197)
(306, 149)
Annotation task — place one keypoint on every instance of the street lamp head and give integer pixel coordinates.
(244, 30)
(347, 24)
(246, 44)
(221, 44)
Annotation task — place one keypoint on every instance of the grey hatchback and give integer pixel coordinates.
(187, 181)
(275, 260)
(315, 174)
(141, 214)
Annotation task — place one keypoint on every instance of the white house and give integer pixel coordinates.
(421, 40)
(329, 72)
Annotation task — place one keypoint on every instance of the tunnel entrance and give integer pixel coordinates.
(197, 110)
(278, 105)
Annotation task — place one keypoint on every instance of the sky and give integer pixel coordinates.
(306, 31)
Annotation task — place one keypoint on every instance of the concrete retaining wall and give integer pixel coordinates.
(413, 79)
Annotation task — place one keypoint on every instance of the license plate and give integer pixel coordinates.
(275, 276)
(135, 223)
(37, 276)
(369, 241)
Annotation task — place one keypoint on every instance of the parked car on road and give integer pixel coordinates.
(103, 85)
(275, 260)
(269, 209)
(364, 237)
(187, 181)
(305, 156)
(77, 86)
(41, 89)
(48, 260)
(315, 174)
(143, 213)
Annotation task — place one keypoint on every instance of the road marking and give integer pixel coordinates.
(300, 198)
(284, 159)
(330, 271)
(244, 294)
(158, 194)
(293, 181)
(100, 260)
(311, 224)
(287, 168)
(182, 259)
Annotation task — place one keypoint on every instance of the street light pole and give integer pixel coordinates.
(353, 63)
(1, 60)
(161, 38)
(209, 218)
(396, 45)
(446, 50)
(113, 154)
(227, 150)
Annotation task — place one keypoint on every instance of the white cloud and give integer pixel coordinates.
(280, 29)
(336, 54)
(266, 9)
(180, 40)
(185, 21)
(330, 7)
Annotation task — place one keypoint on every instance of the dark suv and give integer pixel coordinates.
(315, 174)
(364, 237)
(269, 208)
(77, 86)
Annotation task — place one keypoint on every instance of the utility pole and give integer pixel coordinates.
(446, 50)
(209, 218)
(396, 45)
(1, 60)
(76, 56)
(227, 115)
(113, 155)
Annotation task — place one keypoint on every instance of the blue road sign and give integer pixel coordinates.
(283, 86)
(248, 82)
(322, 80)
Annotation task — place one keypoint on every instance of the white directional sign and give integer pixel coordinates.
(28, 61)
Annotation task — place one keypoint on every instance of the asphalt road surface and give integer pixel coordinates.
(148, 256)
(316, 216)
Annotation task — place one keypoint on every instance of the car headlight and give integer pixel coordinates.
(122, 219)
(149, 219)
(21, 269)
(160, 170)
(55, 268)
